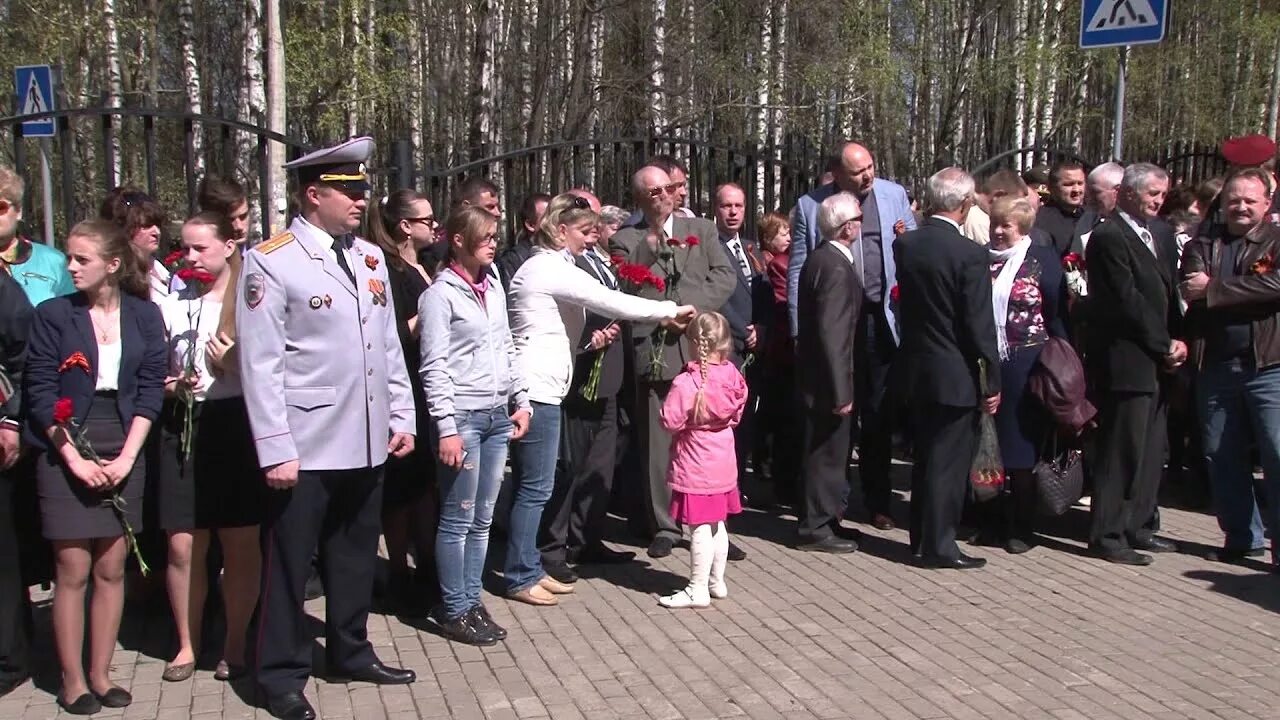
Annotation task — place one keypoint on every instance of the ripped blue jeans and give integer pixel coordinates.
(467, 497)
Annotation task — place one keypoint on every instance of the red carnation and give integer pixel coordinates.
(691, 241)
(1072, 261)
(186, 274)
(617, 258)
(204, 277)
(658, 283)
(63, 411)
(893, 294)
(173, 258)
(371, 262)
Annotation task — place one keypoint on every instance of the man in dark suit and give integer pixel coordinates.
(828, 302)
(685, 252)
(1132, 262)
(948, 330)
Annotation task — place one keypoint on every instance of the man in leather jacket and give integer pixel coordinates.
(1231, 278)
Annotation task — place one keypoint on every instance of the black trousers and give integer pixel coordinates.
(340, 512)
(15, 608)
(1130, 456)
(874, 348)
(655, 443)
(573, 517)
(827, 438)
(940, 476)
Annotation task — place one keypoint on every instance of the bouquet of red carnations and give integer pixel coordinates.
(986, 475)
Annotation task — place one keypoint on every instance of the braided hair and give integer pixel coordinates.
(709, 333)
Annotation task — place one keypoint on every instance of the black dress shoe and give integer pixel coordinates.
(661, 547)
(736, 553)
(483, 622)
(86, 704)
(1233, 555)
(116, 697)
(960, 562)
(560, 572)
(291, 705)
(1016, 546)
(1154, 545)
(314, 588)
(380, 674)
(846, 533)
(882, 522)
(464, 629)
(830, 544)
(598, 554)
(1127, 556)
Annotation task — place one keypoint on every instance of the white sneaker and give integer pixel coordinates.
(686, 599)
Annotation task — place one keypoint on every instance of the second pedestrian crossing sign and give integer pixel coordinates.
(1112, 23)
(33, 88)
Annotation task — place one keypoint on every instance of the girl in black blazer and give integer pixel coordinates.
(102, 348)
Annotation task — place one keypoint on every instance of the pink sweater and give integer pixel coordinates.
(703, 461)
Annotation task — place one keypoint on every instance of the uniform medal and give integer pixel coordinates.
(379, 291)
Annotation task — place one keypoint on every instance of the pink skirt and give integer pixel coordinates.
(690, 509)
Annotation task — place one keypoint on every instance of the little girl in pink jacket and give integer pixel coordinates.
(704, 405)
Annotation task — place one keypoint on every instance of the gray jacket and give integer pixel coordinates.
(468, 357)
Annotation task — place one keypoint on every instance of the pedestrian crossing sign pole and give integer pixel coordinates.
(1121, 23)
(33, 90)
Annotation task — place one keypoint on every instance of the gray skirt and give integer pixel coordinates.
(69, 509)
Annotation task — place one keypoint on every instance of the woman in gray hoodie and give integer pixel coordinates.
(478, 401)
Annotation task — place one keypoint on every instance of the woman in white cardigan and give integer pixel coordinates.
(548, 300)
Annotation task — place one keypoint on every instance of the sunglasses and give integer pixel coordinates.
(429, 220)
(666, 189)
(580, 203)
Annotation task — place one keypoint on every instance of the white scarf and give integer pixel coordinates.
(1002, 287)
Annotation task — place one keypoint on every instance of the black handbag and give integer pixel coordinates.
(1059, 478)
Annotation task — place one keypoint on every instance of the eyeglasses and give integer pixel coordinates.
(429, 220)
(490, 239)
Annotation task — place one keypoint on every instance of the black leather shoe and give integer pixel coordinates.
(560, 572)
(960, 562)
(116, 697)
(86, 704)
(1154, 545)
(882, 522)
(1016, 546)
(661, 547)
(483, 623)
(598, 554)
(846, 533)
(380, 674)
(1128, 556)
(463, 629)
(830, 544)
(314, 588)
(290, 706)
(736, 553)
(1230, 555)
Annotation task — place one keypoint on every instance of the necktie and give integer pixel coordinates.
(340, 249)
(735, 246)
(606, 278)
(1147, 240)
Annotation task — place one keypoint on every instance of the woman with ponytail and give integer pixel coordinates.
(210, 480)
(402, 224)
(95, 372)
(704, 406)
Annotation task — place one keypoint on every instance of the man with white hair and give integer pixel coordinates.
(1131, 260)
(1103, 187)
(948, 331)
(829, 301)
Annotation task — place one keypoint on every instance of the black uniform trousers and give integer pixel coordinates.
(1128, 463)
(874, 349)
(584, 479)
(15, 610)
(340, 511)
(827, 438)
(948, 437)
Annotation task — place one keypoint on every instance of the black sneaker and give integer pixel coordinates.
(483, 622)
(462, 629)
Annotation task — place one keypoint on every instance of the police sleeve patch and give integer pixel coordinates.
(255, 288)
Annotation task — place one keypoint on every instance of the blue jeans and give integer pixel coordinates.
(536, 454)
(467, 498)
(1239, 403)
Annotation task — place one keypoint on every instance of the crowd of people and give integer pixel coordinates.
(374, 371)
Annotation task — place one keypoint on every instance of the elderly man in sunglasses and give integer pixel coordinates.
(687, 254)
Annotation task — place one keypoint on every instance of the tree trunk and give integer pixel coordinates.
(252, 94)
(764, 83)
(657, 62)
(1273, 104)
(191, 83)
(1020, 79)
(115, 81)
(481, 81)
(277, 205)
(417, 79)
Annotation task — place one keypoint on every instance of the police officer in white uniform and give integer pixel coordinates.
(329, 399)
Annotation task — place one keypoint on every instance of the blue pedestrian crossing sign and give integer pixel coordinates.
(1112, 23)
(33, 86)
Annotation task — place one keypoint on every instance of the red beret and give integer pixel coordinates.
(1249, 150)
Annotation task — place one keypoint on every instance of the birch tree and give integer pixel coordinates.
(115, 80)
(191, 82)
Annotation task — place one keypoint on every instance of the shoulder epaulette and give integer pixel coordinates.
(275, 243)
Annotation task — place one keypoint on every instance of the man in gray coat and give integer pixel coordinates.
(687, 254)
(328, 399)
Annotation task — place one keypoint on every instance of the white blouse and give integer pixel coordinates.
(189, 324)
(108, 366)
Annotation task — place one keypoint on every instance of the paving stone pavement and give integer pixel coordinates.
(1051, 634)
